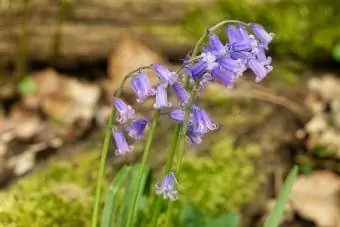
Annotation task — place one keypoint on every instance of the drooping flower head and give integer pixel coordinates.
(179, 115)
(166, 77)
(161, 97)
(124, 110)
(166, 187)
(121, 144)
(136, 128)
(141, 86)
(180, 92)
(201, 120)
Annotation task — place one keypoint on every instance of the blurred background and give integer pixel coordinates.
(61, 60)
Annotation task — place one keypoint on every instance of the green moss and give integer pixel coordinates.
(59, 196)
(223, 181)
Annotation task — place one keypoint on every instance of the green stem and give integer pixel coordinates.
(157, 207)
(102, 168)
(105, 149)
(147, 147)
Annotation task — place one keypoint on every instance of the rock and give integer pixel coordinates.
(129, 55)
(317, 124)
(316, 197)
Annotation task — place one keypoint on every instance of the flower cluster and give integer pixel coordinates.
(218, 62)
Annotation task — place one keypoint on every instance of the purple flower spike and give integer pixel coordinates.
(225, 77)
(161, 97)
(180, 92)
(166, 188)
(194, 136)
(141, 86)
(125, 111)
(259, 31)
(121, 144)
(232, 65)
(260, 69)
(136, 128)
(201, 121)
(165, 75)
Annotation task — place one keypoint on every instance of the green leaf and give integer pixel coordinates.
(275, 217)
(129, 192)
(111, 198)
(192, 216)
(228, 220)
(27, 86)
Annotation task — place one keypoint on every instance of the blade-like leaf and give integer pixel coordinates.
(274, 218)
(129, 192)
(111, 198)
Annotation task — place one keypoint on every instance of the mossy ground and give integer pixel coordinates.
(62, 193)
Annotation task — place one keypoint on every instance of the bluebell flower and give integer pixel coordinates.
(201, 120)
(121, 144)
(194, 136)
(260, 69)
(225, 77)
(180, 92)
(179, 115)
(239, 39)
(141, 86)
(161, 97)
(206, 64)
(197, 70)
(235, 66)
(164, 74)
(166, 187)
(215, 46)
(125, 111)
(136, 128)
(264, 36)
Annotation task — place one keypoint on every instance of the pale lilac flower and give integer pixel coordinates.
(225, 77)
(121, 144)
(194, 136)
(141, 86)
(166, 187)
(125, 111)
(136, 128)
(164, 74)
(161, 97)
(264, 36)
(180, 92)
(201, 120)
